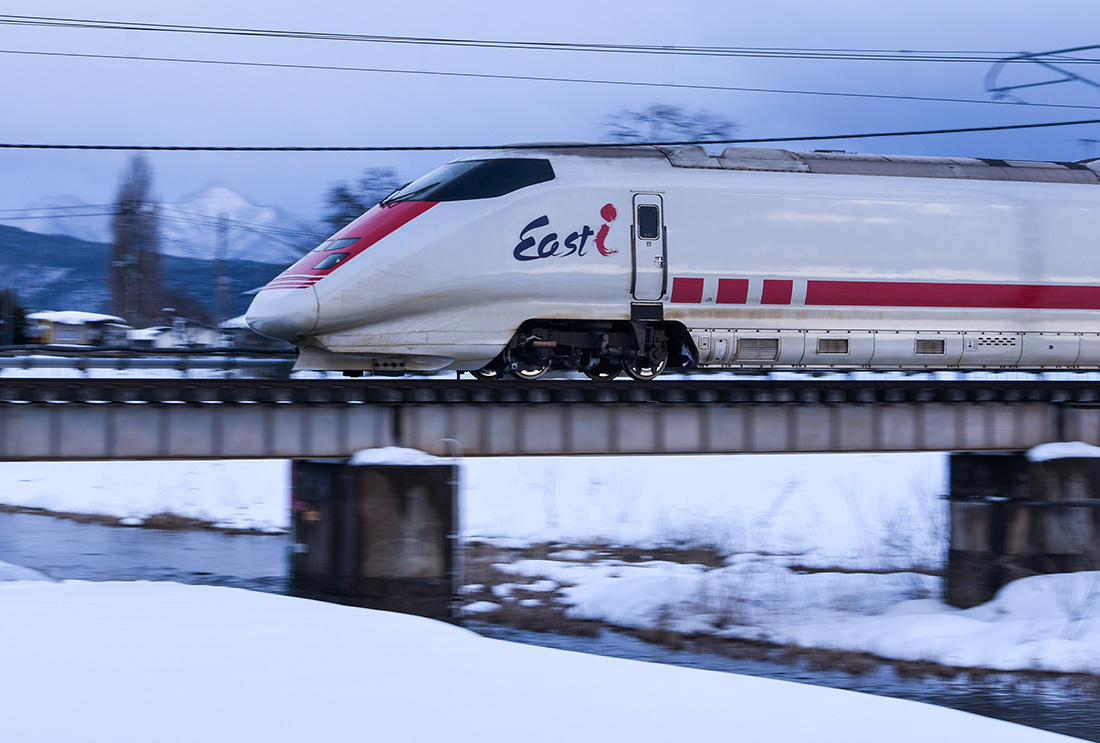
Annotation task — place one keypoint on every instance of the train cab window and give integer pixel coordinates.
(475, 179)
(649, 222)
(331, 261)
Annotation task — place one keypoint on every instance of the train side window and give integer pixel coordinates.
(343, 242)
(331, 261)
(649, 222)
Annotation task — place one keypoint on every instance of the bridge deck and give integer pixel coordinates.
(60, 419)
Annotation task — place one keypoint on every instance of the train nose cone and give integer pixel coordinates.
(283, 314)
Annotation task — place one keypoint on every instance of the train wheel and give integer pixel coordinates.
(487, 374)
(644, 370)
(603, 370)
(529, 372)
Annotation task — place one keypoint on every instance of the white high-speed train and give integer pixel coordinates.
(602, 259)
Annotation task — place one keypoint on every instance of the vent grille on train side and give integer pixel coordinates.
(996, 340)
(929, 346)
(757, 349)
(832, 345)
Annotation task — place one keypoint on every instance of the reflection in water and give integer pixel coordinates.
(68, 550)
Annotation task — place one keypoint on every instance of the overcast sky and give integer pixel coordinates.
(73, 100)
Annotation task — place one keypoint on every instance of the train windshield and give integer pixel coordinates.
(474, 179)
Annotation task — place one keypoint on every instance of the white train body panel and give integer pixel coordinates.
(759, 263)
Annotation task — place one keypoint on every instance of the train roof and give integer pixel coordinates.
(967, 168)
(841, 163)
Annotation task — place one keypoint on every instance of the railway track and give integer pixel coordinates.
(564, 391)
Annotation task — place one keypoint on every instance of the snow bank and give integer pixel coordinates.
(167, 662)
(232, 494)
(856, 511)
(1046, 622)
(1062, 450)
(395, 455)
(9, 572)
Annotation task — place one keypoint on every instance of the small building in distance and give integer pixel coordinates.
(180, 334)
(158, 336)
(77, 328)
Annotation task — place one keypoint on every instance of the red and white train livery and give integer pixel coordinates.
(601, 259)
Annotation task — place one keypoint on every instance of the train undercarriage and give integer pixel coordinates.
(601, 350)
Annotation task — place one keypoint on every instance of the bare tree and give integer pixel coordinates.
(664, 122)
(346, 202)
(137, 287)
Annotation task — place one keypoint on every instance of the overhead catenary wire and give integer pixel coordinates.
(901, 55)
(165, 213)
(536, 146)
(543, 78)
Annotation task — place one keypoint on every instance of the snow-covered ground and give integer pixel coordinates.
(232, 494)
(1049, 622)
(799, 532)
(161, 661)
(820, 510)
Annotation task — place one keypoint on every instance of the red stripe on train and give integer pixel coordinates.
(977, 296)
(376, 224)
(687, 291)
(777, 291)
(732, 291)
(380, 221)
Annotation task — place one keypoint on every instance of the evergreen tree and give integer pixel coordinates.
(137, 290)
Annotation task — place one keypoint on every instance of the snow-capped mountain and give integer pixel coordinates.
(266, 234)
(188, 227)
(63, 215)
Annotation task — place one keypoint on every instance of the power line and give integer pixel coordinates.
(53, 216)
(540, 78)
(165, 214)
(983, 57)
(545, 146)
(56, 208)
(277, 234)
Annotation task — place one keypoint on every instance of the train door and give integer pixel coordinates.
(649, 248)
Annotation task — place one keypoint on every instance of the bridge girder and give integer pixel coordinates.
(99, 419)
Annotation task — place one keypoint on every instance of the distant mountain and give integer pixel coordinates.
(264, 234)
(58, 272)
(64, 215)
(188, 228)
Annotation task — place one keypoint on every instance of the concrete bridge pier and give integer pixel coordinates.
(378, 535)
(1013, 516)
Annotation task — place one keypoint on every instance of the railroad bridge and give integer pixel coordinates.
(1007, 514)
(101, 419)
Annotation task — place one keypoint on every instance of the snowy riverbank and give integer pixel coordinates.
(161, 661)
(797, 538)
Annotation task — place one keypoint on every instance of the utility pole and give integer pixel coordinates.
(8, 296)
(222, 297)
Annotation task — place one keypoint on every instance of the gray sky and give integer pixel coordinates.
(99, 101)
